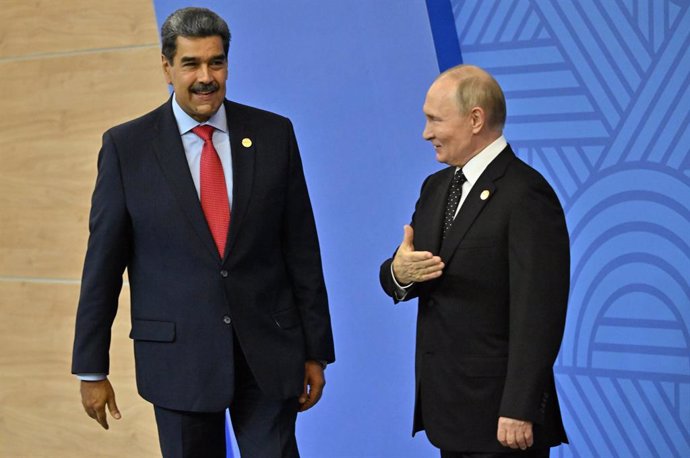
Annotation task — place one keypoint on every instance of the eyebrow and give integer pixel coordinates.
(186, 59)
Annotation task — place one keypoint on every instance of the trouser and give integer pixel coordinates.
(264, 428)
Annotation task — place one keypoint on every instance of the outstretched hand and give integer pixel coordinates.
(410, 266)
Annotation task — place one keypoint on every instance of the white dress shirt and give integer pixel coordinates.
(472, 171)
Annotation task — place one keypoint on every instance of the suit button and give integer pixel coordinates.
(227, 319)
(224, 273)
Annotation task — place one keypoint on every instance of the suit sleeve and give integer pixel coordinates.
(106, 258)
(539, 263)
(303, 260)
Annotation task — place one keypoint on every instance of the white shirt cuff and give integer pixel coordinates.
(400, 291)
(91, 377)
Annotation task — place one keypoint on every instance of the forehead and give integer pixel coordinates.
(199, 46)
(441, 97)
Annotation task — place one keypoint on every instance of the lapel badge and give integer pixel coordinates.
(485, 194)
(247, 142)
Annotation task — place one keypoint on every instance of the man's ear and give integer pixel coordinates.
(166, 69)
(477, 118)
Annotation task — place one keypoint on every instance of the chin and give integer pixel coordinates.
(207, 110)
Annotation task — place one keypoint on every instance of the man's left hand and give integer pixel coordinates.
(515, 433)
(314, 381)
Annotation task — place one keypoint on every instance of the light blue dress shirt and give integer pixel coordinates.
(193, 143)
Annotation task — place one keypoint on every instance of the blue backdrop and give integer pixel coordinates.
(598, 95)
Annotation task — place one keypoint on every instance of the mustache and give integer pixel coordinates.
(204, 87)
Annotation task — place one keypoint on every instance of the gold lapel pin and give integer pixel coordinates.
(247, 142)
(485, 194)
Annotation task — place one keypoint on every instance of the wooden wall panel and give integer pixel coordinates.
(52, 124)
(69, 70)
(41, 413)
(46, 26)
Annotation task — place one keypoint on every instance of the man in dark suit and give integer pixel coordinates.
(487, 254)
(204, 202)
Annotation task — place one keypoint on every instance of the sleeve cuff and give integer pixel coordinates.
(91, 377)
(400, 291)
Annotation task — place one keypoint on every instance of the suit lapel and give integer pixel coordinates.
(169, 150)
(243, 158)
(474, 204)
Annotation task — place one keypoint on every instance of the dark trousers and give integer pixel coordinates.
(510, 453)
(264, 428)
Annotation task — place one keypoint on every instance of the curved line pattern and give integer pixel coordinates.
(635, 196)
(626, 228)
(585, 321)
(659, 347)
(597, 97)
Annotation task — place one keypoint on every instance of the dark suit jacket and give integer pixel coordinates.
(146, 217)
(489, 329)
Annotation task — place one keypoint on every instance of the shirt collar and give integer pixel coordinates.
(476, 166)
(185, 123)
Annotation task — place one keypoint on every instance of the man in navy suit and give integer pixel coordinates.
(205, 204)
(487, 254)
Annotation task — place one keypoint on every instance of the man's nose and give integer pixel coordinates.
(204, 74)
(426, 133)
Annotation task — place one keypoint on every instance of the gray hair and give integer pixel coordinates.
(477, 88)
(194, 23)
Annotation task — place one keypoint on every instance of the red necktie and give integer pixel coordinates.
(214, 193)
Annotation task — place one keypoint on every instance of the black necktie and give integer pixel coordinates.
(454, 195)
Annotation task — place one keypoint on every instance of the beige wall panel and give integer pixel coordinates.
(46, 26)
(51, 125)
(40, 407)
(70, 69)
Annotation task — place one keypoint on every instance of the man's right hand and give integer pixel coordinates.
(95, 396)
(410, 266)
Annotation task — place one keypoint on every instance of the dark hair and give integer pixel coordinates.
(192, 22)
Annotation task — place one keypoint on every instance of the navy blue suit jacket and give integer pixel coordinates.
(489, 329)
(186, 302)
